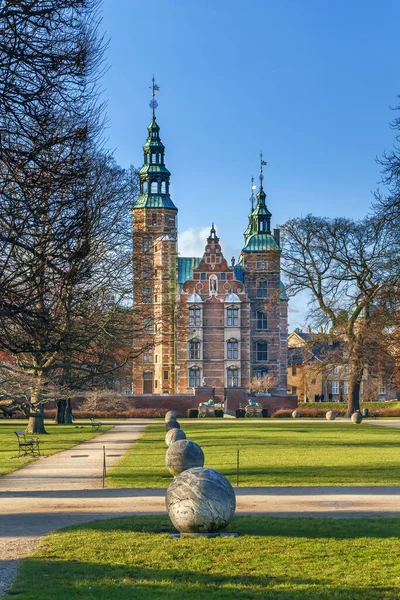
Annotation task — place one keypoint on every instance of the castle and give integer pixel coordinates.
(205, 322)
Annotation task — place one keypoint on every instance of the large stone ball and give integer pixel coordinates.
(174, 435)
(183, 455)
(356, 418)
(170, 416)
(296, 414)
(200, 501)
(330, 415)
(172, 425)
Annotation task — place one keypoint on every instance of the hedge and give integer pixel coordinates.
(343, 405)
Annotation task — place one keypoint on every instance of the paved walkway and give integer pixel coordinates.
(65, 489)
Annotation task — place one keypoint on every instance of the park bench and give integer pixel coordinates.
(375, 414)
(27, 444)
(96, 425)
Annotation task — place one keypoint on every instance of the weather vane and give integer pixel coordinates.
(253, 187)
(262, 163)
(153, 103)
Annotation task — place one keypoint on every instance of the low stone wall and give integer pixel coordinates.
(238, 398)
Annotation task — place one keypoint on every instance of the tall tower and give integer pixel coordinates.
(260, 262)
(155, 267)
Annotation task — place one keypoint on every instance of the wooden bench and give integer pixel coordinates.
(27, 444)
(96, 425)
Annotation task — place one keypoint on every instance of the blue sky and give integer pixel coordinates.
(310, 82)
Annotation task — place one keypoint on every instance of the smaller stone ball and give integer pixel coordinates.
(200, 500)
(172, 425)
(330, 415)
(356, 418)
(296, 414)
(183, 455)
(170, 416)
(174, 435)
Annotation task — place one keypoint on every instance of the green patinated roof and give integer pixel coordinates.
(154, 169)
(152, 201)
(185, 268)
(259, 242)
(283, 295)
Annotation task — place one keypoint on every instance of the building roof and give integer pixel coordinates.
(152, 201)
(185, 268)
(259, 242)
(232, 298)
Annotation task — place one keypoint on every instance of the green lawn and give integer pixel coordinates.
(280, 559)
(272, 453)
(60, 437)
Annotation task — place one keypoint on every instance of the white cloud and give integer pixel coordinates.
(192, 241)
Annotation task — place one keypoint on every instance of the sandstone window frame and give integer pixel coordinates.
(232, 316)
(232, 377)
(194, 349)
(194, 376)
(232, 349)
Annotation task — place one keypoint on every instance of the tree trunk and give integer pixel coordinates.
(36, 421)
(64, 412)
(353, 404)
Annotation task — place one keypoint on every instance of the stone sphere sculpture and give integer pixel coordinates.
(330, 415)
(174, 435)
(200, 500)
(170, 416)
(172, 425)
(183, 455)
(296, 414)
(356, 418)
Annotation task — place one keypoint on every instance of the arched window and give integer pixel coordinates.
(154, 187)
(194, 316)
(261, 351)
(194, 350)
(232, 316)
(163, 187)
(194, 377)
(261, 320)
(262, 289)
(233, 377)
(232, 349)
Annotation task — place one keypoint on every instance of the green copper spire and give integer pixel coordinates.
(258, 233)
(154, 176)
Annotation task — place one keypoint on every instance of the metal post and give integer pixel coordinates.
(237, 466)
(104, 465)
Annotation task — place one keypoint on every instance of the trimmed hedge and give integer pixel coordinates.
(343, 405)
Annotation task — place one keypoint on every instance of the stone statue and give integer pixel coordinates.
(204, 382)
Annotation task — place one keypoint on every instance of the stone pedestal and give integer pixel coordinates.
(183, 455)
(200, 501)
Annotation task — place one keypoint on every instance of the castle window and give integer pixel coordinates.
(261, 372)
(202, 276)
(194, 350)
(146, 244)
(262, 289)
(232, 350)
(232, 316)
(154, 218)
(163, 187)
(223, 276)
(335, 387)
(261, 263)
(148, 325)
(165, 375)
(194, 316)
(154, 187)
(147, 295)
(147, 270)
(194, 377)
(233, 377)
(261, 351)
(148, 356)
(262, 322)
(147, 382)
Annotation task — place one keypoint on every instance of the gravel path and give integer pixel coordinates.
(66, 488)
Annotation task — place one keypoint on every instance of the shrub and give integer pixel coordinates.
(240, 413)
(193, 413)
(282, 413)
(219, 412)
(337, 406)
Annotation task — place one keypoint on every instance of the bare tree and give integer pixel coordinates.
(347, 269)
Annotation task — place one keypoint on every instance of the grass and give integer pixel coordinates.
(272, 453)
(281, 559)
(60, 437)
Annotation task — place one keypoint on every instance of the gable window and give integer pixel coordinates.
(232, 349)
(194, 316)
(194, 377)
(194, 350)
(261, 351)
(147, 295)
(262, 289)
(232, 316)
(146, 244)
(233, 377)
(261, 320)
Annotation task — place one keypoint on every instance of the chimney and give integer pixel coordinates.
(309, 329)
(277, 236)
